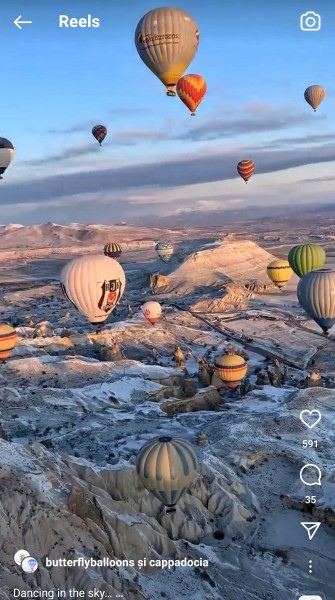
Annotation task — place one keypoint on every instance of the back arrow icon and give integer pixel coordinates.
(18, 23)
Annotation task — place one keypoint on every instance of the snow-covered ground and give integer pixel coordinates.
(73, 420)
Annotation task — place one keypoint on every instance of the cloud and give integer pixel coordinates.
(253, 120)
(132, 137)
(67, 154)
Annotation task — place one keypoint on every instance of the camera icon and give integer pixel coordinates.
(310, 21)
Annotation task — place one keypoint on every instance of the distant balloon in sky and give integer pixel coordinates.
(113, 250)
(166, 40)
(8, 340)
(164, 250)
(94, 284)
(245, 169)
(152, 311)
(99, 132)
(280, 272)
(167, 466)
(316, 294)
(306, 258)
(191, 90)
(231, 368)
(7, 154)
(314, 95)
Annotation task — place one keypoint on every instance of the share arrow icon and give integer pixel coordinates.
(311, 529)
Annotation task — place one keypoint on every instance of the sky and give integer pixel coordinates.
(158, 161)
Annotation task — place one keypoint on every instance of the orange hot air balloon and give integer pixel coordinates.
(191, 90)
(245, 169)
(231, 368)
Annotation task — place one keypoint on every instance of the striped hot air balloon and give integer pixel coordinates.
(280, 272)
(306, 258)
(245, 169)
(191, 90)
(7, 154)
(8, 340)
(99, 132)
(231, 368)
(167, 466)
(113, 250)
(316, 294)
(164, 250)
(314, 95)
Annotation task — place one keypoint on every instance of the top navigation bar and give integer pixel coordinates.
(65, 21)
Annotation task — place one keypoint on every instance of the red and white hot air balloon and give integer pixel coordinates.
(152, 311)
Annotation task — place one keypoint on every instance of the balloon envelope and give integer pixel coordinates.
(94, 285)
(8, 340)
(306, 258)
(231, 368)
(164, 250)
(113, 250)
(191, 90)
(152, 311)
(245, 169)
(7, 154)
(314, 95)
(316, 294)
(167, 466)
(99, 132)
(280, 272)
(167, 39)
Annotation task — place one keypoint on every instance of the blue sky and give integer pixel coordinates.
(157, 160)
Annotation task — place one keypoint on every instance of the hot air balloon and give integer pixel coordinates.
(167, 466)
(316, 294)
(245, 169)
(164, 250)
(113, 250)
(191, 90)
(166, 40)
(7, 154)
(314, 95)
(306, 258)
(99, 132)
(280, 272)
(152, 311)
(94, 284)
(8, 340)
(231, 368)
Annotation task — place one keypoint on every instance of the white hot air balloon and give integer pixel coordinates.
(94, 284)
(152, 311)
(7, 153)
(167, 39)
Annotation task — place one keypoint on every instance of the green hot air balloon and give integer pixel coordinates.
(316, 294)
(306, 258)
(167, 466)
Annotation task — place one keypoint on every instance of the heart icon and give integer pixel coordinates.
(315, 417)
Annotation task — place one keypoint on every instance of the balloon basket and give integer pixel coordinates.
(170, 93)
(170, 509)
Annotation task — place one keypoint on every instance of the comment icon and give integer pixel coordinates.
(310, 475)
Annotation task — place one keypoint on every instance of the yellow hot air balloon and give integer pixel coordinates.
(8, 340)
(166, 40)
(167, 466)
(231, 368)
(280, 272)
